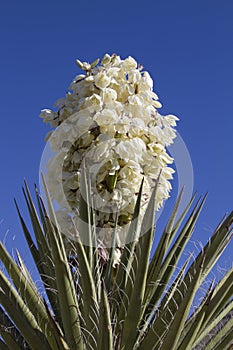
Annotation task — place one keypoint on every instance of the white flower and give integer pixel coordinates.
(131, 149)
(109, 122)
(101, 80)
(93, 103)
(170, 120)
(106, 59)
(134, 76)
(108, 95)
(145, 83)
(135, 100)
(49, 117)
(106, 116)
(128, 64)
(116, 257)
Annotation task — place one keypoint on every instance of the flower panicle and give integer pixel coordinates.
(110, 118)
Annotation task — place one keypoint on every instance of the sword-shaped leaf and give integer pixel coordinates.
(11, 335)
(226, 342)
(220, 297)
(215, 321)
(175, 328)
(10, 342)
(28, 292)
(143, 248)
(125, 271)
(69, 307)
(89, 303)
(85, 217)
(191, 335)
(218, 337)
(105, 338)
(21, 315)
(158, 282)
(42, 254)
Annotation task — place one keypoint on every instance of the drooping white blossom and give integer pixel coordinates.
(109, 124)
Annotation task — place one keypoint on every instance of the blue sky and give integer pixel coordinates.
(187, 46)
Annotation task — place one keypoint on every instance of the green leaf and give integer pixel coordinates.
(128, 252)
(6, 325)
(42, 243)
(198, 313)
(105, 338)
(69, 307)
(176, 326)
(125, 273)
(3, 346)
(21, 315)
(190, 336)
(42, 255)
(217, 243)
(167, 333)
(60, 341)
(218, 338)
(167, 236)
(28, 292)
(85, 217)
(89, 308)
(162, 247)
(214, 321)
(226, 342)
(220, 297)
(145, 323)
(108, 276)
(159, 281)
(124, 270)
(9, 340)
(143, 248)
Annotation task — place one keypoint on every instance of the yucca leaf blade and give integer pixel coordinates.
(169, 335)
(143, 248)
(162, 247)
(3, 346)
(146, 321)
(190, 336)
(42, 257)
(226, 343)
(69, 307)
(167, 236)
(85, 217)
(155, 289)
(205, 330)
(212, 249)
(197, 314)
(219, 336)
(124, 271)
(42, 243)
(7, 325)
(88, 308)
(132, 238)
(108, 276)
(60, 341)
(21, 315)
(9, 340)
(28, 291)
(105, 338)
(220, 296)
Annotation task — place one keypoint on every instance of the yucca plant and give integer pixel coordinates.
(101, 285)
(143, 303)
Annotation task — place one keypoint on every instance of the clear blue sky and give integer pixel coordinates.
(187, 46)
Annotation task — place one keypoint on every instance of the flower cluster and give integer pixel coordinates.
(108, 123)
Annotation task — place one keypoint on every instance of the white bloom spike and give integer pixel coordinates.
(110, 121)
